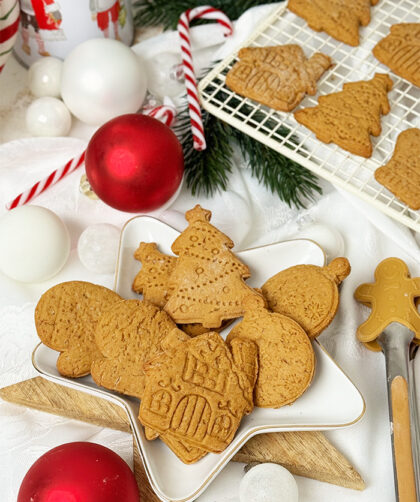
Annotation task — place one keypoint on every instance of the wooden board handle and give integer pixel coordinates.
(402, 440)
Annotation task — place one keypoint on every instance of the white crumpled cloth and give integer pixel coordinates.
(251, 216)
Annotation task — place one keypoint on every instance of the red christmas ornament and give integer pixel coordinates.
(134, 163)
(79, 472)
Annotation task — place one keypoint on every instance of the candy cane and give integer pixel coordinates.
(165, 113)
(203, 12)
(45, 183)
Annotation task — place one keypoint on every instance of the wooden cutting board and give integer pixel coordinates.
(307, 454)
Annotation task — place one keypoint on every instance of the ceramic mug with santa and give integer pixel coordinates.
(55, 27)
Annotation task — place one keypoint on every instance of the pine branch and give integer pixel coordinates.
(154, 12)
(208, 171)
(294, 184)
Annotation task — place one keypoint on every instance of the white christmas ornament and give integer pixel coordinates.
(102, 79)
(34, 244)
(165, 76)
(48, 117)
(327, 237)
(268, 483)
(98, 248)
(45, 77)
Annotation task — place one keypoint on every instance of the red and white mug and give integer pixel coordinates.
(55, 27)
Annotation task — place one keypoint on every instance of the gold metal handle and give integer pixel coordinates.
(402, 440)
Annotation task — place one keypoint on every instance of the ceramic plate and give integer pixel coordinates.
(332, 401)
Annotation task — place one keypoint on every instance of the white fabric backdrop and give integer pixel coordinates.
(251, 216)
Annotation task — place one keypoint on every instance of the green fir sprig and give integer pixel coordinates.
(208, 171)
(166, 13)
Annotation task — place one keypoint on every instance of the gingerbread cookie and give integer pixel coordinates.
(65, 320)
(348, 118)
(339, 18)
(153, 279)
(208, 279)
(278, 77)
(186, 453)
(128, 335)
(391, 298)
(401, 175)
(198, 391)
(286, 360)
(307, 293)
(400, 51)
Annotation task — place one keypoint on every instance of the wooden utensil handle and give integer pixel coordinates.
(402, 440)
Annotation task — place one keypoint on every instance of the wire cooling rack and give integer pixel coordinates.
(354, 173)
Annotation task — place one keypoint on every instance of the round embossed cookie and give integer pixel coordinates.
(65, 320)
(128, 335)
(307, 293)
(286, 360)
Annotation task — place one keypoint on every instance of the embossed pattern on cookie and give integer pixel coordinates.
(348, 118)
(286, 359)
(307, 293)
(65, 319)
(208, 279)
(339, 18)
(400, 51)
(128, 335)
(198, 391)
(401, 175)
(152, 281)
(278, 77)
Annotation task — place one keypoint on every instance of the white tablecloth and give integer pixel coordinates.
(251, 216)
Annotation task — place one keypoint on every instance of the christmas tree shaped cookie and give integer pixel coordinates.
(276, 76)
(348, 118)
(339, 18)
(401, 175)
(153, 279)
(208, 279)
(400, 51)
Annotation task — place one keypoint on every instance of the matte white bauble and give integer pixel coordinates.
(34, 244)
(98, 248)
(48, 117)
(44, 77)
(268, 483)
(165, 75)
(102, 78)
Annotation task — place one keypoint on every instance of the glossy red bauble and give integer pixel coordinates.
(79, 472)
(134, 163)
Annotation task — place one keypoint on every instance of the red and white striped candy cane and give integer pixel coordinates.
(165, 113)
(45, 183)
(9, 23)
(203, 12)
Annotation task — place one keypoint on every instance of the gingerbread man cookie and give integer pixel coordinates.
(391, 298)
(66, 317)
